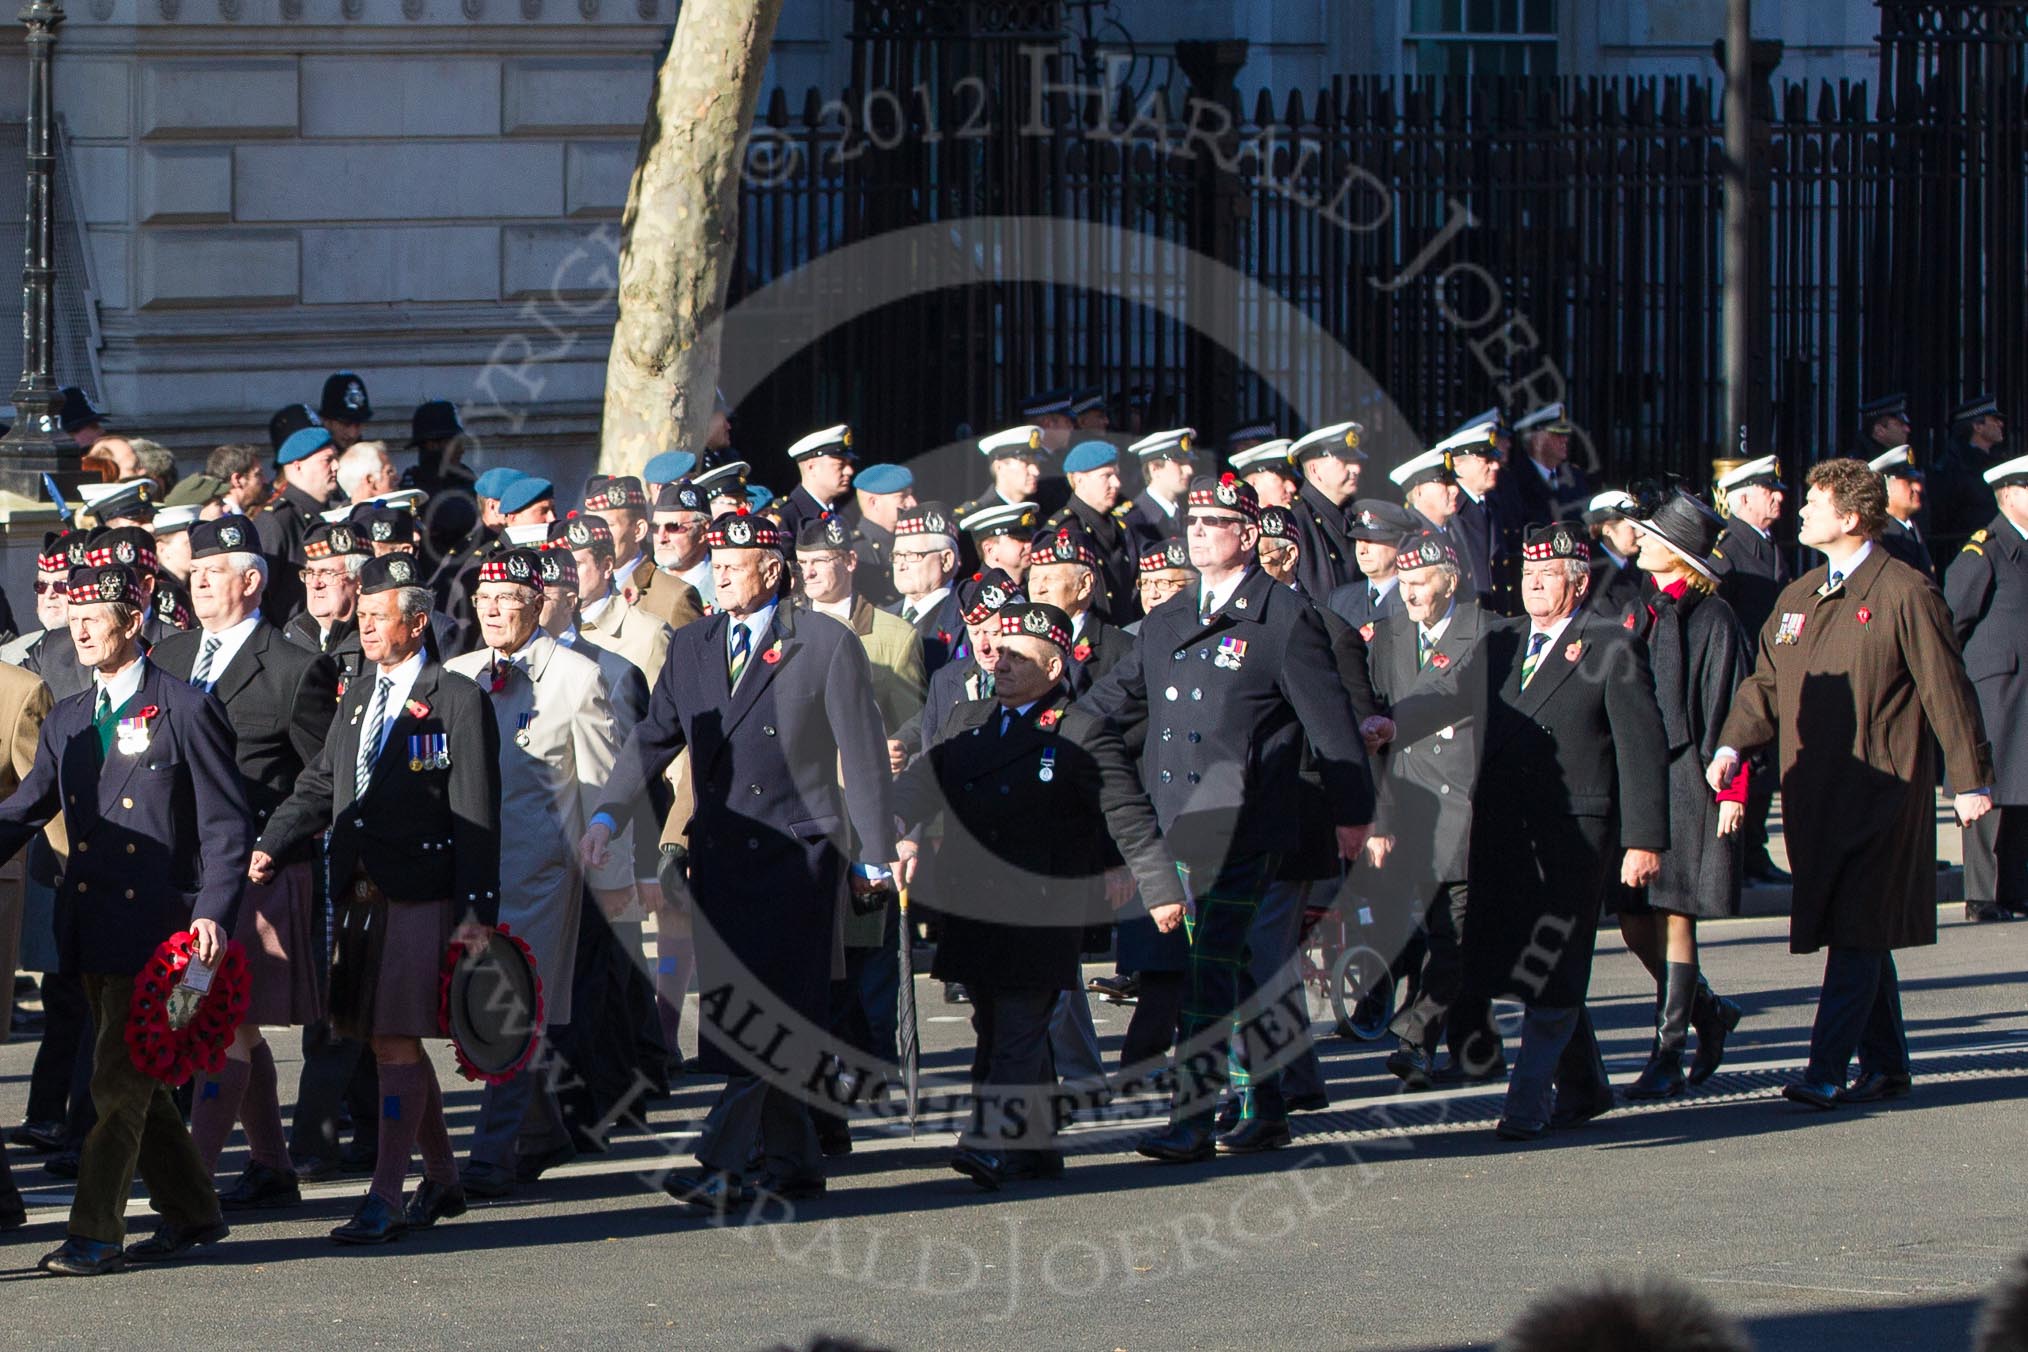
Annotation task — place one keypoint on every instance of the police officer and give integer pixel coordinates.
(408, 785)
(1987, 589)
(279, 699)
(1330, 462)
(1014, 458)
(1029, 788)
(1049, 412)
(1231, 678)
(1096, 509)
(1156, 513)
(451, 509)
(1902, 536)
(824, 463)
(1961, 500)
(345, 409)
(1883, 425)
(1376, 530)
(151, 854)
(83, 421)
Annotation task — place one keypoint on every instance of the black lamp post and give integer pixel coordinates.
(35, 444)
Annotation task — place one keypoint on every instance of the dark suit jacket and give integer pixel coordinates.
(342, 647)
(1353, 603)
(1617, 592)
(1324, 559)
(1103, 645)
(943, 634)
(1226, 724)
(1023, 855)
(1572, 769)
(1755, 573)
(797, 508)
(158, 837)
(426, 834)
(1987, 591)
(280, 701)
(1899, 541)
(54, 659)
(1118, 602)
(1427, 773)
(769, 842)
(1148, 526)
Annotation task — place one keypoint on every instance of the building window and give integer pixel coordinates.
(1482, 37)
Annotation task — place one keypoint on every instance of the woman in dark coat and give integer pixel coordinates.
(1698, 652)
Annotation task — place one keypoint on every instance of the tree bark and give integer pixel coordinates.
(679, 231)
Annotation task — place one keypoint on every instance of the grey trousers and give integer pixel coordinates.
(519, 1117)
(1073, 1038)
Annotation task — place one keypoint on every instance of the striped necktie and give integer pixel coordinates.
(1536, 643)
(369, 744)
(1422, 647)
(201, 677)
(742, 644)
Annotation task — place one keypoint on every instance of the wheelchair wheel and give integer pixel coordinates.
(1362, 994)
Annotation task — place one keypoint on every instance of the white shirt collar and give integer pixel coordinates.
(1210, 600)
(928, 603)
(1851, 565)
(1385, 585)
(1168, 507)
(121, 688)
(1548, 474)
(840, 611)
(569, 637)
(1077, 624)
(1755, 529)
(1555, 631)
(756, 628)
(230, 641)
(630, 567)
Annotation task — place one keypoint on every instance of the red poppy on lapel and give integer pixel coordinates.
(1862, 615)
(1366, 631)
(1629, 620)
(341, 687)
(773, 654)
(416, 708)
(1572, 652)
(1439, 660)
(147, 712)
(1082, 652)
(1046, 719)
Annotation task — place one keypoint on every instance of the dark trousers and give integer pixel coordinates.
(1996, 858)
(59, 1085)
(1218, 954)
(852, 1025)
(12, 1208)
(138, 1127)
(1558, 1060)
(336, 1070)
(1151, 1031)
(751, 1112)
(1271, 967)
(1012, 1112)
(1427, 1018)
(1859, 1010)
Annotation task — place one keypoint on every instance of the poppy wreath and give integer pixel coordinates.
(449, 967)
(172, 1055)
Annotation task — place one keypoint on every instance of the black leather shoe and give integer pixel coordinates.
(260, 1187)
(173, 1241)
(1179, 1144)
(433, 1202)
(1984, 912)
(486, 1180)
(374, 1223)
(1508, 1130)
(1874, 1086)
(1578, 1113)
(63, 1164)
(13, 1218)
(1118, 989)
(712, 1190)
(807, 1188)
(359, 1157)
(1306, 1103)
(1713, 1025)
(1252, 1138)
(1809, 1093)
(833, 1138)
(983, 1167)
(83, 1258)
(1411, 1065)
(954, 994)
(528, 1168)
(1228, 1116)
(41, 1137)
(314, 1168)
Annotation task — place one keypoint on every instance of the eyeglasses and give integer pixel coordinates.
(679, 527)
(1208, 521)
(915, 555)
(322, 577)
(44, 588)
(504, 603)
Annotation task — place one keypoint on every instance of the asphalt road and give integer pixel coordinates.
(1395, 1222)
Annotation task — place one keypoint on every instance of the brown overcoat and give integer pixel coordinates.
(1849, 687)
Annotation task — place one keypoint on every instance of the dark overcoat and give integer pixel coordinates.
(1849, 688)
(1426, 774)
(1986, 587)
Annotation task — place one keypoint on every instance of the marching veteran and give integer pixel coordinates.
(142, 767)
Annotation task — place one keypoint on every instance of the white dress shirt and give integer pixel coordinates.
(230, 641)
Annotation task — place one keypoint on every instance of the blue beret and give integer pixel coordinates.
(301, 445)
(494, 481)
(883, 479)
(525, 491)
(758, 496)
(668, 467)
(1090, 455)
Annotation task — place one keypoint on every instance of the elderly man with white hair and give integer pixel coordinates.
(366, 470)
